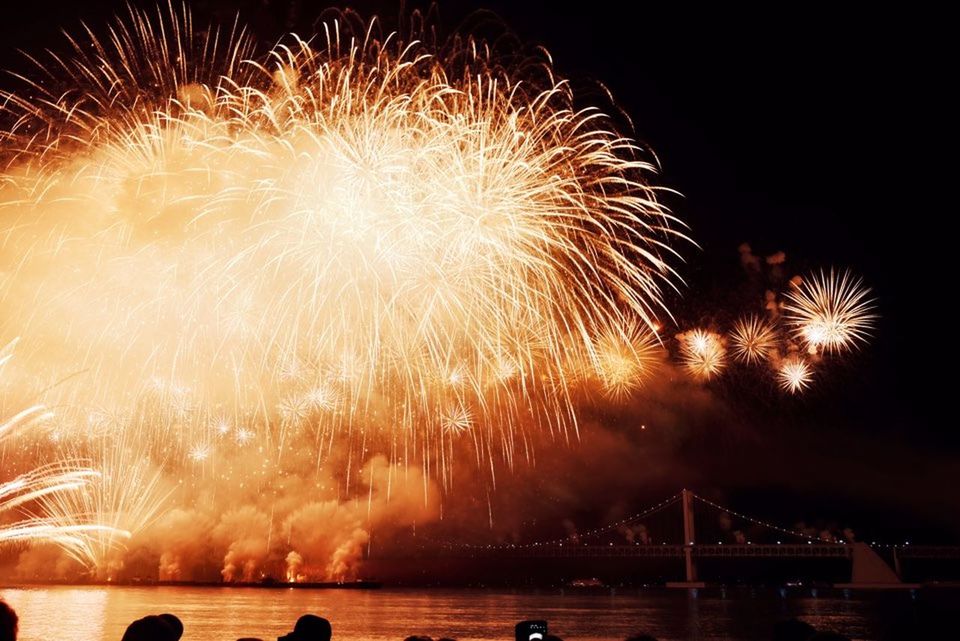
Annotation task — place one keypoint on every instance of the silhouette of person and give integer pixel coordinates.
(310, 627)
(8, 622)
(176, 625)
(792, 630)
(152, 628)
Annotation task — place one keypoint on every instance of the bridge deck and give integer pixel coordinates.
(820, 550)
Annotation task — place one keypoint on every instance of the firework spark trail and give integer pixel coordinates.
(124, 499)
(42, 484)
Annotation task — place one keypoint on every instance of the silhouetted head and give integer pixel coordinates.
(150, 628)
(175, 624)
(310, 627)
(792, 630)
(829, 636)
(8, 623)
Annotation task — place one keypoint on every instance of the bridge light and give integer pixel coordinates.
(778, 542)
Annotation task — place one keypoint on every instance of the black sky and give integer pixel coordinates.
(817, 130)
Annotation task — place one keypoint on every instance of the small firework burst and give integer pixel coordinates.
(753, 339)
(200, 452)
(794, 375)
(456, 419)
(323, 398)
(830, 312)
(703, 353)
(294, 409)
(624, 357)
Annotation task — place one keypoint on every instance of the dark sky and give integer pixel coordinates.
(816, 130)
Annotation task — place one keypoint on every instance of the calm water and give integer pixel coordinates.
(95, 613)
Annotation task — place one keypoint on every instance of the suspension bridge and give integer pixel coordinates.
(693, 531)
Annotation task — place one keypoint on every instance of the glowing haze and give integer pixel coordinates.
(271, 297)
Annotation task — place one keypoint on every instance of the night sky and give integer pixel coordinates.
(818, 131)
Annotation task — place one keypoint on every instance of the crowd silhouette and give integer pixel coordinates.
(310, 627)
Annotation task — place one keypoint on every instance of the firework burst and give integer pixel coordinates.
(753, 340)
(703, 353)
(625, 357)
(794, 375)
(830, 311)
(362, 232)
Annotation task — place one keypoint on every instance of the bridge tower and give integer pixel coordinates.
(689, 536)
(689, 540)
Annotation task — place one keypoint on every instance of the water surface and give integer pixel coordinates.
(102, 613)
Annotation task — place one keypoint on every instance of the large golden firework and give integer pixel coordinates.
(361, 233)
